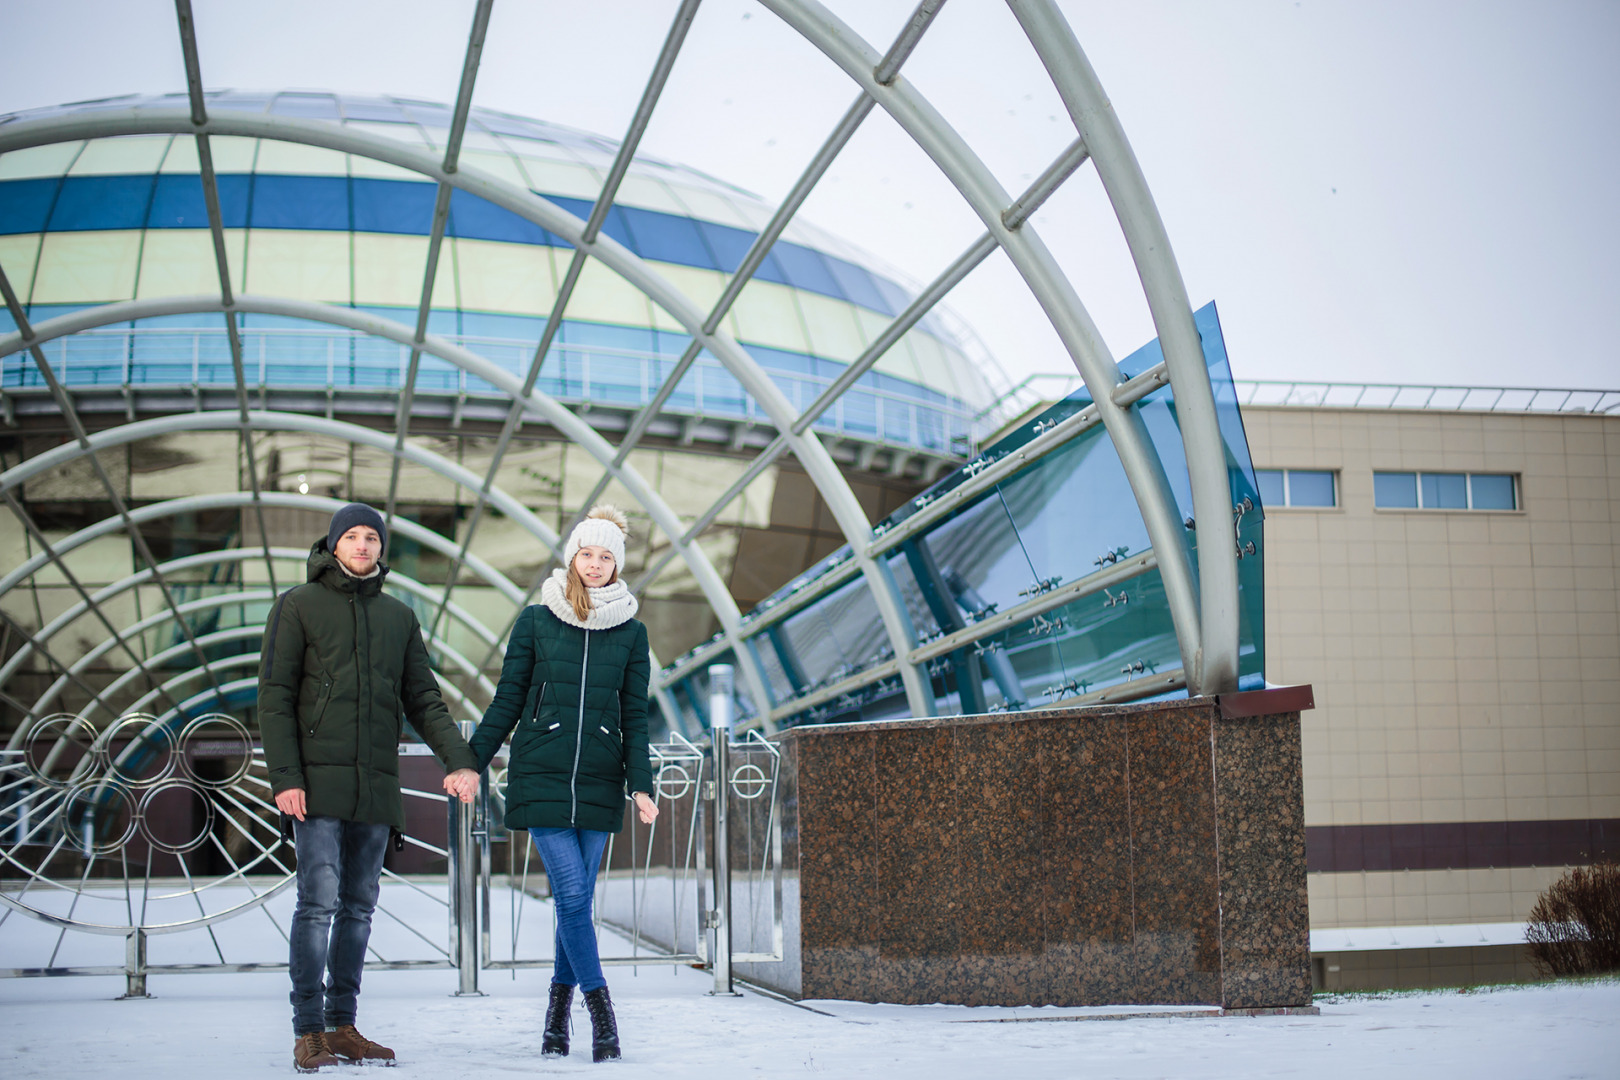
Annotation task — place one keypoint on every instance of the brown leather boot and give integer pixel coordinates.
(311, 1052)
(349, 1044)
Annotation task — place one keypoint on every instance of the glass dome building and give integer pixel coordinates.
(97, 221)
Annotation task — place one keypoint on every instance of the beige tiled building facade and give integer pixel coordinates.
(1447, 582)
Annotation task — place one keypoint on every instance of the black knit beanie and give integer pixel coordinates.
(348, 517)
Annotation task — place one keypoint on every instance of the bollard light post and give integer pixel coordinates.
(721, 686)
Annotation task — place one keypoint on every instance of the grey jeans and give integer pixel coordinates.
(339, 875)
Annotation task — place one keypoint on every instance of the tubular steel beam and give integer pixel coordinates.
(441, 217)
(25, 332)
(910, 35)
(216, 228)
(1216, 669)
(755, 381)
(593, 225)
(1050, 287)
(925, 302)
(39, 538)
(395, 580)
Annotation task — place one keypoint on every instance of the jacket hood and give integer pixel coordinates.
(323, 567)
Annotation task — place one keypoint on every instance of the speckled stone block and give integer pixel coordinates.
(1265, 917)
(1131, 854)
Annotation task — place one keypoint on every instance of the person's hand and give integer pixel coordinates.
(463, 784)
(291, 802)
(648, 808)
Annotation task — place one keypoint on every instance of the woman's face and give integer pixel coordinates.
(595, 566)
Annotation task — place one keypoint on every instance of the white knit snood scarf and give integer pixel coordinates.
(610, 605)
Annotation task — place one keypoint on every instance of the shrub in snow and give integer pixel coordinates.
(1575, 926)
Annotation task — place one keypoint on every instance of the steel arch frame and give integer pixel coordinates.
(812, 454)
(276, 421)
(1207, 632)
(191, 607)
(1202, 599)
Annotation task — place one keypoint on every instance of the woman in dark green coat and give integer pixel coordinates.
(573, 696)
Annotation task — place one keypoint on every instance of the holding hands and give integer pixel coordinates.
(463, 784)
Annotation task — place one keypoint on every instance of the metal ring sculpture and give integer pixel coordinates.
(176, 812)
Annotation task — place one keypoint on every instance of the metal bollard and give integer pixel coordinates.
(463, 874)
(720, 704)
(135, 966)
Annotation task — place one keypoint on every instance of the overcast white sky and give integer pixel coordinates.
(1413, 191)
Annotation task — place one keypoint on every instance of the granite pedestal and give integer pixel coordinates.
(1105, 855)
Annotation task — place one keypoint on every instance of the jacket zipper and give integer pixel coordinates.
(579, 738)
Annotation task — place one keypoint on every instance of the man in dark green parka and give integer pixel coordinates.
(342, 664)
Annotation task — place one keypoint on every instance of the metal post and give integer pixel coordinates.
(135, 966)
(720, 701)
(463, 880)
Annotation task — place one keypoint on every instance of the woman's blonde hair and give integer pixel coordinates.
(577, 593)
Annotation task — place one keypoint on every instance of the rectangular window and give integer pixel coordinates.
(1297, 487)
(1444, 491)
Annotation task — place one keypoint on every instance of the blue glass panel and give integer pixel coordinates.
(396, 314)
(102, 202)
(666, 237)
(894, 296)
(783, 360)
(1395, 491)
(1310, 488)
(429, 113)
(317, 106)
(301, 202)
(1493, 492)
(613, 225)
(25, 204)
(671, 344)
(806, 269)
(730, 245)
(1271, 487)
(479, 219)
(476, 324)
(859, 285)
(1444, 491)
(384, 111)
(178, 203)
(394, 206)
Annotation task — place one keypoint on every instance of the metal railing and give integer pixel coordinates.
(87, 843)
(332, 360)
(1036, 389)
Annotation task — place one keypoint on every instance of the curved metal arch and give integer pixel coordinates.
(812, 454)
(1091, 356)
(190, 562)
(542, 405)
(225, 689)
(278, 421)
(191, 607)
(234, 500)
(241, 632)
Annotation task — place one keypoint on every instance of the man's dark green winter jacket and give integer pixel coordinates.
(342, 663)
(575, 704)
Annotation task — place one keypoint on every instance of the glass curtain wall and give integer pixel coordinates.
(1066, 517)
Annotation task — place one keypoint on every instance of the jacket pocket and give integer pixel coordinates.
(532, 708)
(318, 710)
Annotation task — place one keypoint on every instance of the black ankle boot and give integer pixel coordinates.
(554, 1042)
(604, 1029)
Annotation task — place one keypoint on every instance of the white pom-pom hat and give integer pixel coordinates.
(599, 529)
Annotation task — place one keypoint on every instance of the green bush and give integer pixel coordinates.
(1575, 926)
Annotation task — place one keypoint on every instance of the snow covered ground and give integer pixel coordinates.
(238, 1026)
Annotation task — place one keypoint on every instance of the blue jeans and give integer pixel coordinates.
(572, 857)
(339, 874)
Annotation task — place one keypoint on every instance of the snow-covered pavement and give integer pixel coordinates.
(237, 1026)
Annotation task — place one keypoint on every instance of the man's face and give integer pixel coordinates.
(359, 549)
